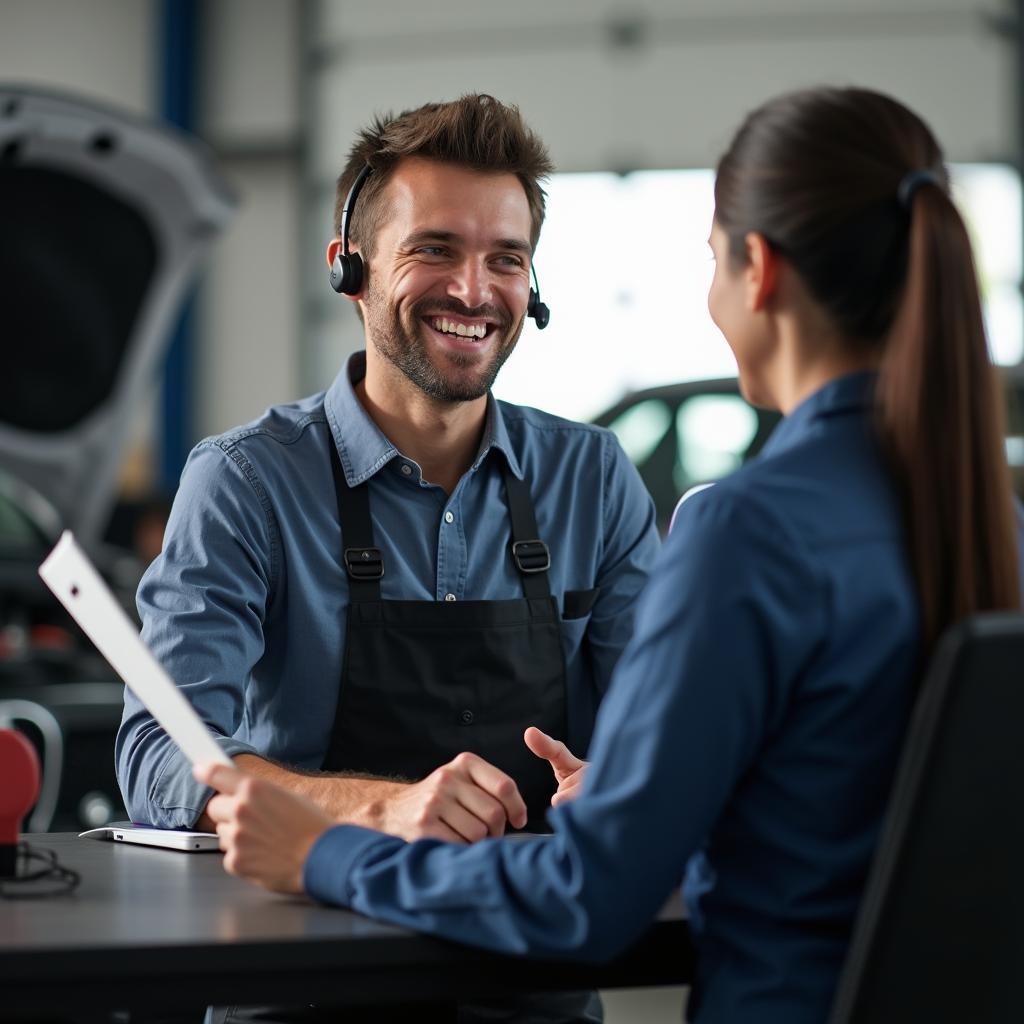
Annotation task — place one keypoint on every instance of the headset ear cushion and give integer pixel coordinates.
(338, 273)
(531, 304)
(347, 273)
(355, 274)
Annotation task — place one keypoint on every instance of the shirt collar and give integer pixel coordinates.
(363, 447)
(496, 436)
(851, 393)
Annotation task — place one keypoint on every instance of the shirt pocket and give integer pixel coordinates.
(578, 604)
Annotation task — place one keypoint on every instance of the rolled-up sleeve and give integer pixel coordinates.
(203, 603)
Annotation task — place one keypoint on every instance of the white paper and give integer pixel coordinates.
(80, 588)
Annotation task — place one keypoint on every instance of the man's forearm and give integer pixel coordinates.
(349, 800)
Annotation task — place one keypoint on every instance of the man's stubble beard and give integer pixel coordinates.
(406, 349)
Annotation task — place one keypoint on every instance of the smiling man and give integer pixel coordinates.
(371, 593)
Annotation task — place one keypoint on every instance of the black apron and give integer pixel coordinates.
(423, 681)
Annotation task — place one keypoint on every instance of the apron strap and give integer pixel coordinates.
(529, 552)
(363, 561)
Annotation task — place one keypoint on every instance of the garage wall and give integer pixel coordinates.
(103, 47)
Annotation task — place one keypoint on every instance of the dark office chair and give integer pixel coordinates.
(940, 935)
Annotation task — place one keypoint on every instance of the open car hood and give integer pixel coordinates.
(103, 217)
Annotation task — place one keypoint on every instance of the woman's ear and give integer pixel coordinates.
(762, 271)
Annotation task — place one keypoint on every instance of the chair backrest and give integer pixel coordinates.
(940, 933)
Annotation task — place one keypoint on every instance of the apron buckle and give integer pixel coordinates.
(364, 563)
(531, 556)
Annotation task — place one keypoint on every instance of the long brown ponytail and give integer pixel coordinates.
(940, 410)
(818, 173)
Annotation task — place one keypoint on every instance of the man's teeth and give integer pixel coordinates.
(462, 330)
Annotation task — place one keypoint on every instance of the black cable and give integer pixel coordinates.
(51, 878)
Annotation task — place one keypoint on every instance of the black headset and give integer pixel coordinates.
(534, 307)
(347, 268)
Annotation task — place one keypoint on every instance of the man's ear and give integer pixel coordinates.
(333, 248)
(762, 271)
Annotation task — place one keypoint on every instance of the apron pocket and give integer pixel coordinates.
(579, 603)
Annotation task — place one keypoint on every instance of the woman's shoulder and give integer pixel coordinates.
(798, 506)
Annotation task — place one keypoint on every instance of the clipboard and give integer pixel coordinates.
(75, 582)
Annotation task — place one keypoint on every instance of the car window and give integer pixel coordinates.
(641, 428)
(713, 433)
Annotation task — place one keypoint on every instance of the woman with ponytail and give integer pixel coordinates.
(749, 739)
(847, 189)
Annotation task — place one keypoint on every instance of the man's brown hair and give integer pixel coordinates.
(475, 131)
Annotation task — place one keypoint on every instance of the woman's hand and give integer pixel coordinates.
(266, 832)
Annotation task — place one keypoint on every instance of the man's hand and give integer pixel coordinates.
(266, 832)
(569, 770)
(347, 800)
(463, 801)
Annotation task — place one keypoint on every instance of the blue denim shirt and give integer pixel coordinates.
(749, 737)
(245, 606)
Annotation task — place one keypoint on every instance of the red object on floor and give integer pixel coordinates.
(19, 789)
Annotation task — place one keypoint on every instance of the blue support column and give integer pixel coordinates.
(178, 64)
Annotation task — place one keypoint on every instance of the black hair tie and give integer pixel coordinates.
(911, 183)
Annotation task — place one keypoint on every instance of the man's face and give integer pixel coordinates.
(449, 280)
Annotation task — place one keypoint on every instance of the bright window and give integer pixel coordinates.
(624, 264)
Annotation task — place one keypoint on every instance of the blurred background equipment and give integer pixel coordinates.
(105, 217)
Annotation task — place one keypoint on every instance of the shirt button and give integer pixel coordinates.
(449, 518)
(449, 597)
(406, 469)
(466, 717)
